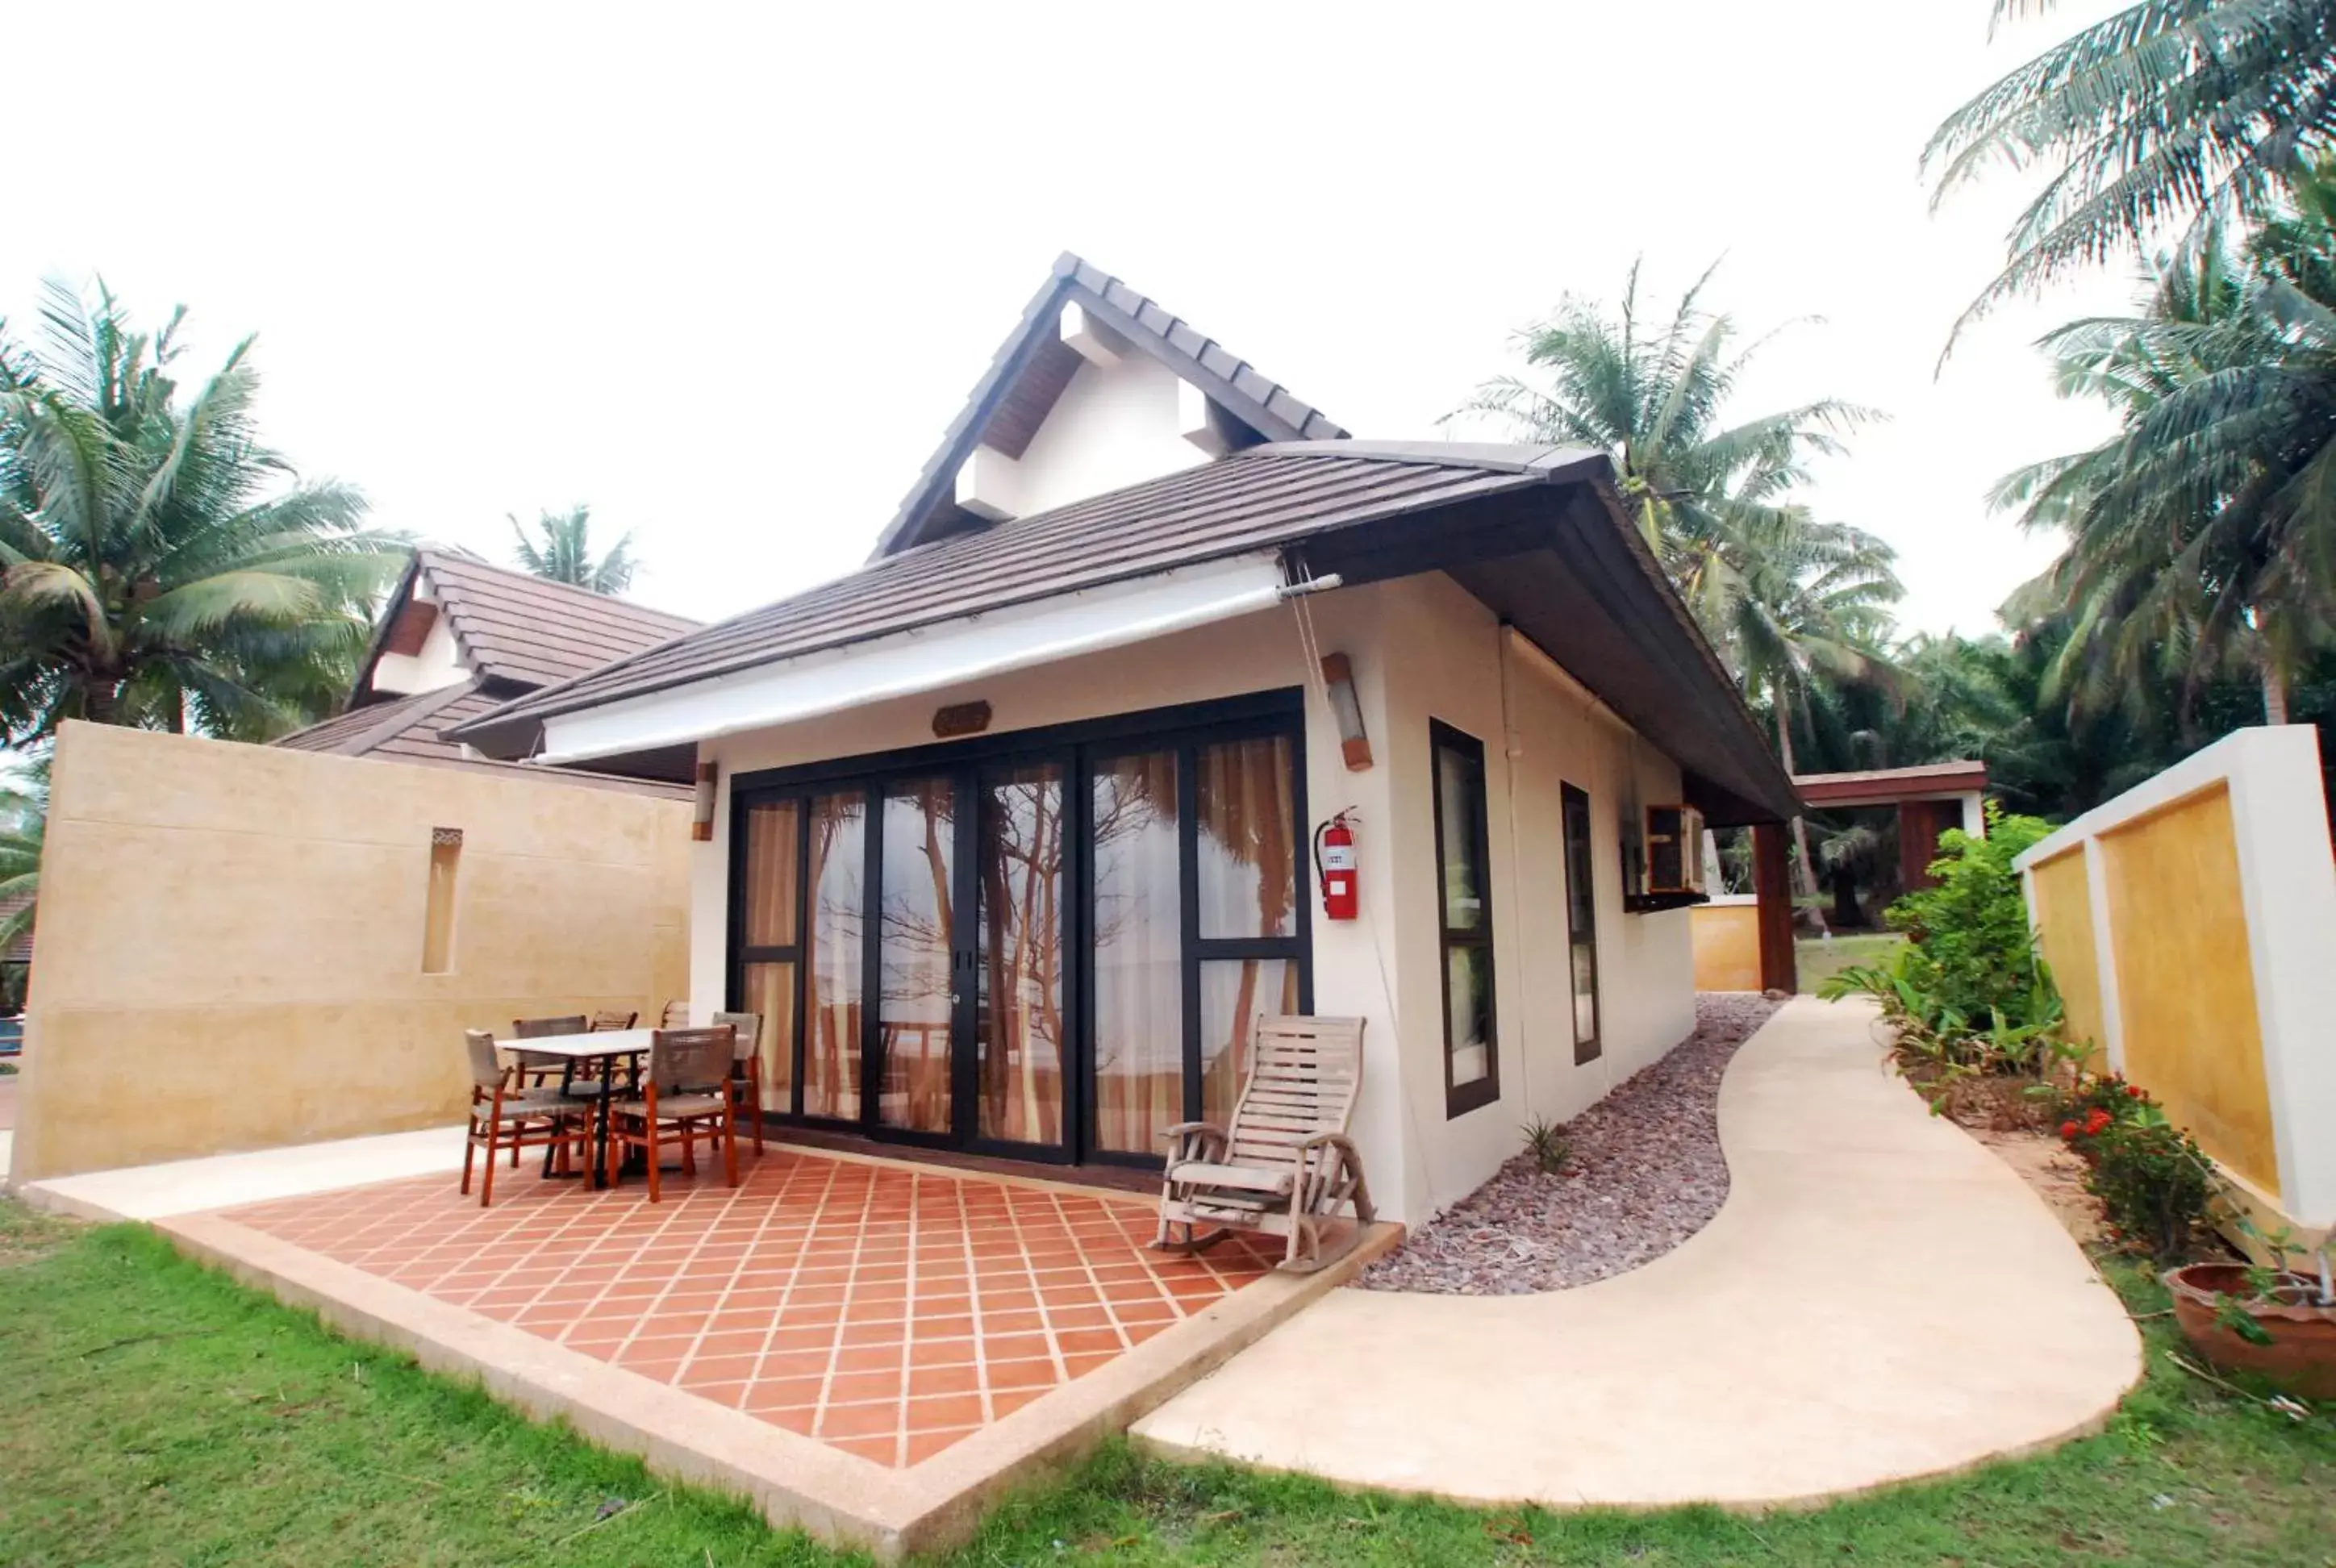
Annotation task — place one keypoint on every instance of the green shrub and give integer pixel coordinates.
(2152, 1178)
(1968, 951)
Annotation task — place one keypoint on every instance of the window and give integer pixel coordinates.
(438, 912)
(1472, 1075)
(1580, 924)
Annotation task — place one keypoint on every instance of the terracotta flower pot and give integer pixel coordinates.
(2301, 1356)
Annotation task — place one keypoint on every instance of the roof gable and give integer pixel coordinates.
(1036, 363)
(515, 628)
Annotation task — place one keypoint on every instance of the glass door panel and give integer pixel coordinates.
(770, 993)
(833, 952)
(1235, 994)
(1019, 1017)
(770, 871)
(1139, 970)
(916, 943)
(1248, 840)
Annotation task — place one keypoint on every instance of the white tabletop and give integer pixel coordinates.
(582, 1047)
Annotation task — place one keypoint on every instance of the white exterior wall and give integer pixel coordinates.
(1114, 425)
(440, 662)
(1451, 670)
(1384, 968)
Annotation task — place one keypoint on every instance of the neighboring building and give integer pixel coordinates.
(458, 638)
(1012, 828)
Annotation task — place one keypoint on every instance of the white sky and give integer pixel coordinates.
(727, 273)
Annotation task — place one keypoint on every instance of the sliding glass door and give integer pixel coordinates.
(1054, 948)
(1021, 1049)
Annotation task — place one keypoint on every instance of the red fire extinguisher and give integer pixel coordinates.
(1334, 862)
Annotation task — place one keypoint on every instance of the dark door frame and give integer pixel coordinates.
(1074, 749)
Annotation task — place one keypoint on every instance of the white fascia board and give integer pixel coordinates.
(926, 659)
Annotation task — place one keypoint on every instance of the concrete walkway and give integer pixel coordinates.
(1881, 1297)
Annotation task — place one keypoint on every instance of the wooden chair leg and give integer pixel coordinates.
(688, 1149)
(653, 1162)
(730, 1153)
(470, 1153)
(616, 1156)
(487, 1182)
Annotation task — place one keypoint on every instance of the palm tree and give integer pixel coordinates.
(2169, 111)
(1787, 601)
(24, 821)
(162, 567)
(561, 550)
(1656, 403)
(2202, 536)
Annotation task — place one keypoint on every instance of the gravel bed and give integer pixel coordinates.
(1643, 1173)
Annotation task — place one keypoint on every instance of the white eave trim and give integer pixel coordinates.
(947, 654)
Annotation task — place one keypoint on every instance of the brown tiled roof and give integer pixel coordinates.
(412, 730)
(1034, 365)
(407, 728)
(1250, 501)
(514, 627)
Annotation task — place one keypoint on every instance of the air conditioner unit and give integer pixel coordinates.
(1674, 850)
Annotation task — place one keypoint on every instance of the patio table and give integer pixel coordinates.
(604, 1047)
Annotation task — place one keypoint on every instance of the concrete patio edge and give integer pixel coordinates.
(795, 1481)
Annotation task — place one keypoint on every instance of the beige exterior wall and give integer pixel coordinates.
(1727, 932)
(231, 940)
(1421, 647)
(2189, 923)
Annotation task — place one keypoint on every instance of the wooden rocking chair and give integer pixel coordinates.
(1285, 1164)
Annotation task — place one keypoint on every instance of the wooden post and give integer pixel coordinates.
(1772, 884)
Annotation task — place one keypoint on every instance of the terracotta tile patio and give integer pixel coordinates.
(887, 1310)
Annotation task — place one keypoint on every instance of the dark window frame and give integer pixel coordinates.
(1077, 747)
(1460, 1099)
(1580, 886)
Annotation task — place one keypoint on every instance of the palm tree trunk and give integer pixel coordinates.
(1805, 878)
(2274, 689)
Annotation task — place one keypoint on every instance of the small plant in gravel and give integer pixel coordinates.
(1546, 1142)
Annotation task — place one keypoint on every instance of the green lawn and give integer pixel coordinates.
(155, 1413)
(1815, 959)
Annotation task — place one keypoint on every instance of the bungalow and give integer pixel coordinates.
(458, 638)
(1013, 831)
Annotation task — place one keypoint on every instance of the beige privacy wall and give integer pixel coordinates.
(232, 940)
(2190, 923)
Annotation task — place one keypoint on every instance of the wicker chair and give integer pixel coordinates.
(1283, 1164)
(504, 1115)
(675, 1015)
(535, 1068)
(609, 1020)
(685, 1097)
(745, 1070)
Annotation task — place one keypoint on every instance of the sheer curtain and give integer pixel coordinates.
(1248, 889)
(838, 868)
(773, 901)
(1139, 1067)
(1019, 1018)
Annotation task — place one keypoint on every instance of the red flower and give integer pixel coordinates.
(2095, 1121)
(2068, 1130)
(2133, 1091)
